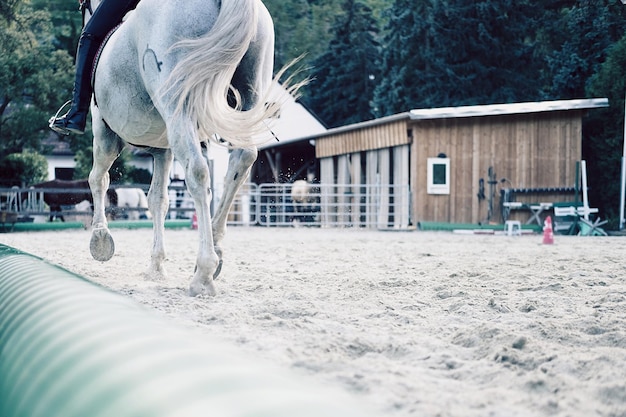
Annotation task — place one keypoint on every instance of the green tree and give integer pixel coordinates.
(66, 22)
(457, 53)
(32, 73)
(405, 57)
(581, 37)
(603, 132)
(8, 8)
(84, 161)
(345, 75)
(23, 169)
(302, 28)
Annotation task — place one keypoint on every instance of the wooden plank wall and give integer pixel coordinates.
(364, 139)
(537, 150)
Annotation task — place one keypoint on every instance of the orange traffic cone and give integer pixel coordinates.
(548, 234)
(194, 221)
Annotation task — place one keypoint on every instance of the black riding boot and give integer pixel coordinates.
(75, 119)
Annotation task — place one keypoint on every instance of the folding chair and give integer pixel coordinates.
(570, 219)
(587, 228)
(565, 220)
(535, 212)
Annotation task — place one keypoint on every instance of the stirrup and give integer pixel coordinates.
(56, 117)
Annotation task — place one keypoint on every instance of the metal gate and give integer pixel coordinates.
(382, 206)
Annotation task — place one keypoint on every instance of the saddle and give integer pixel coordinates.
(84, 7)
(96, 59)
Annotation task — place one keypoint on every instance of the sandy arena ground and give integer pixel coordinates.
(411, 323)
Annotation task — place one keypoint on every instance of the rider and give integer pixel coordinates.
(106, 16)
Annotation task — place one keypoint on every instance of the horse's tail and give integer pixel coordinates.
(200, 84)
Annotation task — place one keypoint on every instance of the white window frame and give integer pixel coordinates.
(440, 188)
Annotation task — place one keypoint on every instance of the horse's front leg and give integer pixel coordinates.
(106, 148)
(158, 203)
(239, 164)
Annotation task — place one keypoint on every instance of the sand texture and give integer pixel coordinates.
(411, 323)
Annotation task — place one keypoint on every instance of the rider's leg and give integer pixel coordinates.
(108, 14)
(76, 118)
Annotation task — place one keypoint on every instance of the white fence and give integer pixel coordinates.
(22, 200)
(383, 206)
(334, 205)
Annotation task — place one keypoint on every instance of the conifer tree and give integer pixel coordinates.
(457, 53)
(406, 57)
(345, 76)
(603, 132)
(584, 33)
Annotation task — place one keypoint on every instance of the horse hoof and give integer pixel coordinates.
(101, 245)
(195, 290)
(155, 275)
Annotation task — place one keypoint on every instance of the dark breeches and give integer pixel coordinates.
(106, 16)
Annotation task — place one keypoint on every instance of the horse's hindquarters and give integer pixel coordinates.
(122, 101)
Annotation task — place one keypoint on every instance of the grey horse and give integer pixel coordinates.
(175, 74)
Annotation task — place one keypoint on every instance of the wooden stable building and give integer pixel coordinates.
(461, 163)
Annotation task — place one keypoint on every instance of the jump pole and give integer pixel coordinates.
(69, 348)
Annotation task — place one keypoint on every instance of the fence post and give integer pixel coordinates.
(383, 203)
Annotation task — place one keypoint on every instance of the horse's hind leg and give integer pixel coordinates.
(158, 203)
(106, 148)
(253, 76)
(239, 164)
(186, 148)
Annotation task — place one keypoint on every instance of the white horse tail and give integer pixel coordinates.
(200, 83)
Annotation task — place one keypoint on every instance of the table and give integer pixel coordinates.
(536, 210)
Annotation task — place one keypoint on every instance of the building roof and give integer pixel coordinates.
(295, 120)
(503, 109)
(298, 124)
(470, 111)
(56, 146)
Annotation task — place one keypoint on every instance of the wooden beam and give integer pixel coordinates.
(327, 174)
(355, 174)
(401, 184)
(385, 177)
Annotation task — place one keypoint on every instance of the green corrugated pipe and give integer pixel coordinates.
(69, 348)
(448, 227)
(116, 224)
